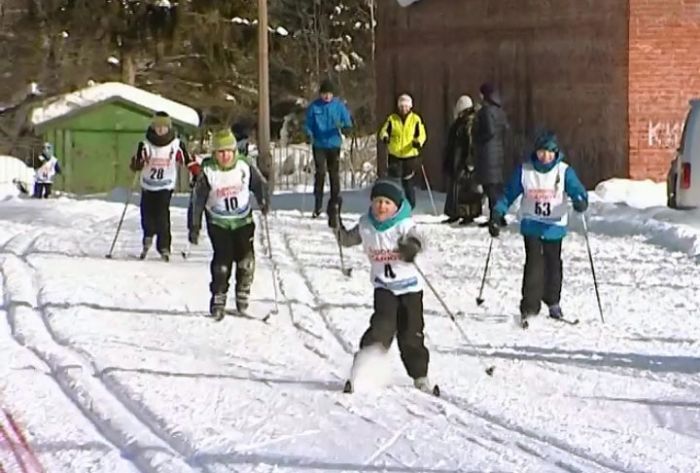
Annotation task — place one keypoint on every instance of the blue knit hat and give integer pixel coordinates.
(389, 188)
(547, 140)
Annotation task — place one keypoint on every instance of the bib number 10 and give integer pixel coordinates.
(231, 204)
(543, 209)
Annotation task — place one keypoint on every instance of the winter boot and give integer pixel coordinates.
(316, 214)
(165, 255)
(245, 270)
(217, 306)
(147, 242)
(555, 311)
(466, 221)
(424, 384)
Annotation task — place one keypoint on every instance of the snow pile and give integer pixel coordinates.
(68, 103)
(14, 170)
(623, 207)
(637, 194)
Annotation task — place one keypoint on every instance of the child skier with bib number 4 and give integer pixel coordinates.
(544, 181)
(388, 235)
(223, 190)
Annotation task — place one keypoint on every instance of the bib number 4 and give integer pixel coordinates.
(543, 209)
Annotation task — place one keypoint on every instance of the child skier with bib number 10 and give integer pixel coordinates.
(544, 181)
(223, 190)
(389, 238)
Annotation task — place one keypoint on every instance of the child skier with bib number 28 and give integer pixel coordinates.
(388, 235)
(544, 181)
(223, 190)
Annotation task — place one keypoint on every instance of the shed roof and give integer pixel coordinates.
(70, 103)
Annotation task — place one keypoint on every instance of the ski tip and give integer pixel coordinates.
(347, 388)
(489, 370)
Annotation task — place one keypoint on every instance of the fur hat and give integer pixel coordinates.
(463, 103)
(223, 140)
(389, 188)
(161, 119)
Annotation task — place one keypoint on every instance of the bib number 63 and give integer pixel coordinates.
(543, 209)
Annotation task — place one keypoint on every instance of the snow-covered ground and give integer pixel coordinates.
(109, 366)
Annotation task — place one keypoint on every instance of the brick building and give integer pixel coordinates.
(612, 77)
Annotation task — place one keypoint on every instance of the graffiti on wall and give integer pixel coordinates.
(664, 134)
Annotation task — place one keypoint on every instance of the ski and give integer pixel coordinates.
(566, 321)
(348, 388)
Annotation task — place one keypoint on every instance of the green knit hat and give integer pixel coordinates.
(223, 140)
(161, 119)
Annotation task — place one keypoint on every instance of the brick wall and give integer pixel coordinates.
(664, 73)
(563, 66)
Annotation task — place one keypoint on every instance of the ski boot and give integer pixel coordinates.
(524, 315)
(217, 306)
(555, 312)
(165, 256)
(242, 302)
(147, 242)
(424, 385)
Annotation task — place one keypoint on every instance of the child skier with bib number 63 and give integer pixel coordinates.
(544, 181)
(223, 190)
(388, 234)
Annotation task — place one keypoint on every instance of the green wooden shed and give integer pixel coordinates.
(96, 130)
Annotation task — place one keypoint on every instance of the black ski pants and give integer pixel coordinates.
(401, 316)
(405, 169)
(155, 217)
(542, 277)
(232, 246)
(42, 190)
(326, 159)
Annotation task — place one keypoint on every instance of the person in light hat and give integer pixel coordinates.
(45, 173)
(404, 134)
(464, 194)
(390, 239)
(157, 158)
(223, 192)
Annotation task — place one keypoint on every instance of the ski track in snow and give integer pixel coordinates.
(136, 412)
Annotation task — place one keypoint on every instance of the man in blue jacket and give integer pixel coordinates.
(325, 118)
(544, 181)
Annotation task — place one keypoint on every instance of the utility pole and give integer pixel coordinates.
(264, 158)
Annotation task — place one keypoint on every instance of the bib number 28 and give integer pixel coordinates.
(157, 173)
(543, 209)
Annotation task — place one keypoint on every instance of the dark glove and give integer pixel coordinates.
(385, 139)
(580, 205)
(193, 236)
(494, 228)
(416, 144)
(409, 248)
(265, 206)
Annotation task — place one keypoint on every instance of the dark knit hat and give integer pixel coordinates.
(487, 89)
(161, 119)
(547, 140)
(327, 86)
(389, 188)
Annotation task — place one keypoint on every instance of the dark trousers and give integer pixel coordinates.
(543, 274)
(493, 192)
(42, 190)
(405, 169)
(232, 246)
(326, 160)
(155, 217)
(401, 316)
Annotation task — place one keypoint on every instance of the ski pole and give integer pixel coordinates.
(479, 298)
(487, 369)
(121, 219)
(430, 192)
(590, 259)
(346, 271)
(266, 224)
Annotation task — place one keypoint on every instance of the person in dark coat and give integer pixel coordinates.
(459, 164)
(489, 139)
